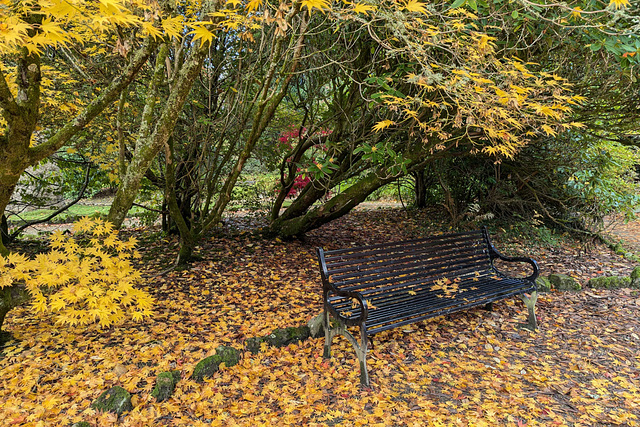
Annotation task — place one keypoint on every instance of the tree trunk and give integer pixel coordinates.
(22, 113)
(187, 236)
(335, 207)
(10, 298)
(302, 216)
(8, 183)
(420, 189)
(147, 147)
(4, 228)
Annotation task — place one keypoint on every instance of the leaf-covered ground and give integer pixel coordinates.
(582, 368)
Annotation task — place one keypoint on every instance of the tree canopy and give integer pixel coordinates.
(374, 90)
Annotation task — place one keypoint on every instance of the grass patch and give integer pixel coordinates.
(70, 215)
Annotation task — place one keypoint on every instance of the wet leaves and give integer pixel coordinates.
(477, 367)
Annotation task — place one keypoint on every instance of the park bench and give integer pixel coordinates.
(389, 285)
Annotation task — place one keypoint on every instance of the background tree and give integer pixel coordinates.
(30, 30)
(436, 85)
(247, 75)
(574, 179)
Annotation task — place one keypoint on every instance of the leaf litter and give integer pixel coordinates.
(581, 368)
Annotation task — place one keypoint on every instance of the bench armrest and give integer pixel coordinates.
(328, 287)
(536, 270)
(364, 308)
(493, 254)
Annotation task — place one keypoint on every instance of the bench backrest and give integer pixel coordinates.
(426, 260)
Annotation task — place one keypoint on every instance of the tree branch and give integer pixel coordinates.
(87, 176)
(7, 102)
(72, 127)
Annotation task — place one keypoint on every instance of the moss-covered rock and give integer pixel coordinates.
(562, 282)
(618, 248)
(206, 368)
(316, 326)
(253, 344)
(116, 400)
(635, 277)
(229, 355)
(81, 424)
(210, 365)
(544, 285)
(165, 385)
(286, 336)
(609, 282)
(278, 338)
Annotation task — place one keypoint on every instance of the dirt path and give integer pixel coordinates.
(628, 233)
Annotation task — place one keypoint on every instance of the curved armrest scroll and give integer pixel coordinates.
(328, 287)
(532, 262)
(364, 308)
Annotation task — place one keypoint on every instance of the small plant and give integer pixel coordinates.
(86, 277)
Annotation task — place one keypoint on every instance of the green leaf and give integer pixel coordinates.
(515, 14)
(458, 3)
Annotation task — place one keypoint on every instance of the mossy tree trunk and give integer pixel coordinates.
(10, 298)
(273, 90)
(310, 218)
(232, 147)
(149, 142)
(308, 211)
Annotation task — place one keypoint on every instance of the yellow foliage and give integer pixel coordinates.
(415, 6)
(318, 4)
(201, 32)
(86, 277)
(619, 4)
(383, 125)
(363, 8)
(501, 101)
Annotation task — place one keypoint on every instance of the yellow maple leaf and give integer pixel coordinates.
(383, 125)
(362, 8)
(415, 6)
(619, 4)
(576, 13)
(549, 130)
(318, 4)
(172, 26)
(149, 29)
(253, 5)
(201, 32)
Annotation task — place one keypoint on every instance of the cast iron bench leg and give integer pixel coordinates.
(360, 347)
(328, 335)
(530, 302)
